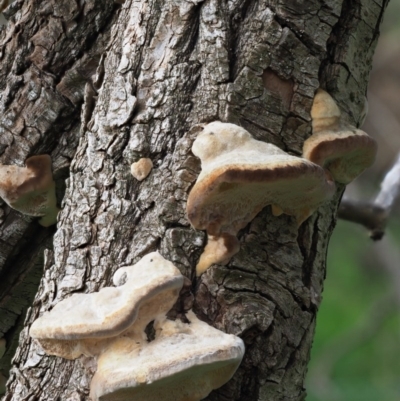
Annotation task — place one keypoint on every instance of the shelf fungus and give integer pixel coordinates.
(239, 177)
(343, 150)
(183, 362)
(84, 323)
(31, 189)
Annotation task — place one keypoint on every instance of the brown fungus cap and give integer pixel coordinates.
(31, 189)
(184, 362)
(344, 150)
(241, 175)
(84, 323)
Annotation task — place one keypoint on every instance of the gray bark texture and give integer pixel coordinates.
(97, 86)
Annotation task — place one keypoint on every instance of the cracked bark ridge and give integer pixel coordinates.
(351, 47)
(43, 45)
(169, 66)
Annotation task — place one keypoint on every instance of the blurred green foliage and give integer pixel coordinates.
(356, 351)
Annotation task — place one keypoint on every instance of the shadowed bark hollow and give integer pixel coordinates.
(149, 71)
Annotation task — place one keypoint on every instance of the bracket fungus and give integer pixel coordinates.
(84, 323)
(342, 149)
(185, 362)
(240, 176)
(31, 189)
(141, 169)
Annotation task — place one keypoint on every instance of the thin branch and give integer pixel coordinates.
(374, 215)
(390, 187)
(371, 216)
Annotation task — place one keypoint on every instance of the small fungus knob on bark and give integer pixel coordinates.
(31, 189)
(340, 148)
(239, 177)
(185, 362)
(141, 169)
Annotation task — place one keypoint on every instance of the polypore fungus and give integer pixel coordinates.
(185, 362)
(31, 189)
(85, 323)
(239, 177)
(141, 169)
(342, 149)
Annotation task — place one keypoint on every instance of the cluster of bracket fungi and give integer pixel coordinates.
(239, 177)
(184, 361)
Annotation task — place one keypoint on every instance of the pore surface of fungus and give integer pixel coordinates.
(185, 362)
(141, 169)
(342, 149)
(31, 189)
(84, 323)
(240, 176)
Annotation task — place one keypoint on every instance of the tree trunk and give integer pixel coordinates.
(162, 67)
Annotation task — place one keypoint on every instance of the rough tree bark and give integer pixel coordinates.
(150, 71)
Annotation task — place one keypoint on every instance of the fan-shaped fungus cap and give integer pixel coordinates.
(185, 362)
(241, 175)
(344, 150)
(31, 189)
(141, 169)
(83, 323)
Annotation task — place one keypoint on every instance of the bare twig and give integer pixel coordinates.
(369, 215)
(390, 187)
(374, 215)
